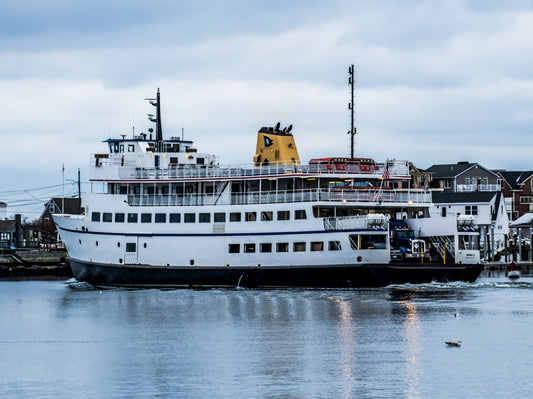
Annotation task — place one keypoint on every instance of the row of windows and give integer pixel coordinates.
(217, 217)
(314, 246)
(526, 199)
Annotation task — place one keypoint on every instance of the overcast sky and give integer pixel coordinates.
(436, 81)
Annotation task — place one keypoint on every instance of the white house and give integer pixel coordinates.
(488, 208)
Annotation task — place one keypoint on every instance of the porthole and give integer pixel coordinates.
(80, 241)
(145, 245)
(96, 243)
(359, 259)
(118, 244)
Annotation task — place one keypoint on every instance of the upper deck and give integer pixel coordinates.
(196, 166)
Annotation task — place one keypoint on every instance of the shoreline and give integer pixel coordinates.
(8, 272)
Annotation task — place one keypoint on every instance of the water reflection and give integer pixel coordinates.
(348, 355)
(412, 349)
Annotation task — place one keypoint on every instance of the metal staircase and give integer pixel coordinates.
(442, 242)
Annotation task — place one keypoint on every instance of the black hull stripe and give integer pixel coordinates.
(363, 275)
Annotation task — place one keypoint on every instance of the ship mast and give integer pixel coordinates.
(351, 107)
(156, 102)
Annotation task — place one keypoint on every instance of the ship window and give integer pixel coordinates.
(119, 218)
(107, 217)
(160, 217)
(300, 214)
(174, 217)
(123, 190)
(200, 161)
(265, 247)
(298, 247)
(146, 218)
(122, 148)
(204, 217)
(220, 217)
(282, 247)
(317, 246)
(251, 216)
(131, 148)
(443, 212)
(235, 217)
(118, 244)
(96, 217)
(368, 241)
(354, 241)
(249, 248)
(334, 245)
(266, 216)
(132, 217)
(284, 215)
(131, 247)
(189, 218)
(234, 248)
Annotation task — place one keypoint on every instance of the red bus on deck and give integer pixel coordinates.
(343, 165)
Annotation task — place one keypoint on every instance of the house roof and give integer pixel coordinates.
(6, 225)
(459, 198)
(449, 170)
(526, 220)
(516, 178)
(453, 170)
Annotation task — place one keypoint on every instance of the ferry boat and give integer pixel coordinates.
(161, 213)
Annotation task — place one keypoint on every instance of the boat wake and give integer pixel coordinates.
(480, 284)
(74, 284)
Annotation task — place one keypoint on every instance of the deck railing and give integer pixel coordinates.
(376, 197)
(378, 222)
(135, 168)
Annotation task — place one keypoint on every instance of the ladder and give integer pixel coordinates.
(441, 242)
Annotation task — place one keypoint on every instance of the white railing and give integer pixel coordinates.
(375, 222)
(376, 196)
(468, 188)
(137, 169)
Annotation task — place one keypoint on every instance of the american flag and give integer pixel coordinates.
(386, 172)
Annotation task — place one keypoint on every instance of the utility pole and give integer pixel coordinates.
(351, 107)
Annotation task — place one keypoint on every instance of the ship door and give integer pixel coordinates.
(131, 255)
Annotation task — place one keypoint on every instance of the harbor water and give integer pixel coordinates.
(64, 339)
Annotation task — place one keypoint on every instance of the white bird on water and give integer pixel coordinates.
(454, 344)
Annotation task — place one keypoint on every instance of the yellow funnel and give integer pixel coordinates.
(275, 146)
